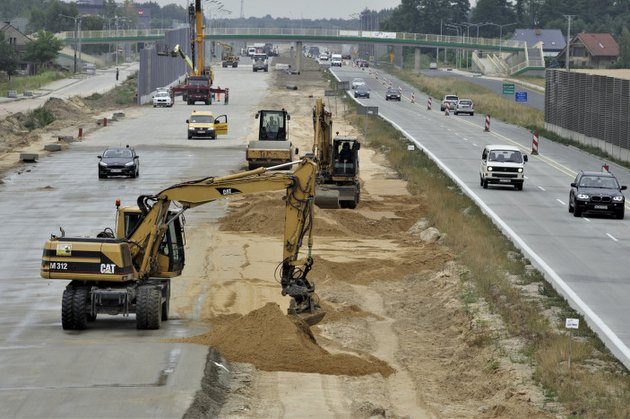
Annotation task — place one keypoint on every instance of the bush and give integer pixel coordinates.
(39, 118)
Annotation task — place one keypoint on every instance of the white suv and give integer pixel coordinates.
(502, 164)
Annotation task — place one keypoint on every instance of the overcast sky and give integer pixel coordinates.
(296, 9)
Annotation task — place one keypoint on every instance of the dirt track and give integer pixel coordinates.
(398, 338)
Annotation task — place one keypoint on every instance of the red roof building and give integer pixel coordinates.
(592, 50)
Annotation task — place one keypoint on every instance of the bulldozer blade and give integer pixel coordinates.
(326, 198)
(311, 318)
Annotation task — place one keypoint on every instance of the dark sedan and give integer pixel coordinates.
(118, 161)
(362, 91)
(597, 192)
(392, 94)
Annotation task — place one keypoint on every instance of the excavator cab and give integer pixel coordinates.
(171, 250)
(273, 125)
(345, 157)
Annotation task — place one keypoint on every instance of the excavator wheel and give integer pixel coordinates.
(148, 308)
(167, 298)
(74, 304)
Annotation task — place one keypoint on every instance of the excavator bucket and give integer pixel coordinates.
(311, 318)
(326, 198)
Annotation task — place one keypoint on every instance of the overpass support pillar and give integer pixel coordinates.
(417, 60)
(298, 57)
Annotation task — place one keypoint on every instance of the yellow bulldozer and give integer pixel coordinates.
(128, 269)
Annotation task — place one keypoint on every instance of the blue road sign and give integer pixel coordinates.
(520, 97)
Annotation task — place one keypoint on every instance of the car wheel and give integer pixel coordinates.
(577, 212)
(154, 106)
(518, 186)
(190, 136)
(570, 207)
(620, 214)
(456, 113)
(368, 96)
(480, 181)
(101, 176)
(485, 184)
(472, 114)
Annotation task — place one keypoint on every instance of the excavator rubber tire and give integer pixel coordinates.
(74, 315)
(166, 305)
(148, 308)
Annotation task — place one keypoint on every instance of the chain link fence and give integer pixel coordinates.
(162, 70)
(590, 109)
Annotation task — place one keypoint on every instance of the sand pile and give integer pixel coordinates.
(272, 341)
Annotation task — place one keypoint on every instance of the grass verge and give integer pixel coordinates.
(26, 83)
(596, 385)
(122, 95)
(488, 102)
(38, 118)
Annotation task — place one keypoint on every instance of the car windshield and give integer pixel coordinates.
(362, 88)
(162, 94)
(465, 102)
(451, 98)
(507, 156)
(392, 91)
(194, 82)
(201, 119)
(117, 153)
(605, 182)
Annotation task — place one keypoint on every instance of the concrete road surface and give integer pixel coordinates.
(111, 369)
(586, 258)
(101, 82)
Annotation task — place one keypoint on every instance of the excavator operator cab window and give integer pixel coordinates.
(173, 246)
(132, 219)
(345, 155)
(272, 127)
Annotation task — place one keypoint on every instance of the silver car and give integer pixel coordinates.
(465, 106)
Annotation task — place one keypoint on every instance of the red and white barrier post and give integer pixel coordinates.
(605, 167)
(535, 144)
(447, 109)
(413, 97)
(487, 126)
(429, 104)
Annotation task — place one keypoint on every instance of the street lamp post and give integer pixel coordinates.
(501, 32)
(457, 28)
(77, 34)
(568, 50)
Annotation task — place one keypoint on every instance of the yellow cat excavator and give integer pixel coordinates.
(128, 269)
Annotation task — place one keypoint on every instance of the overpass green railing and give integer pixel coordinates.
(293, 34)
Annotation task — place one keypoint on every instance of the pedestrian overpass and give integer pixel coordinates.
(514, 57)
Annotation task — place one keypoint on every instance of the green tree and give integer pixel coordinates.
(43, 49)
(495, 11)
(624, 49)
(8, 57)
(48, 16)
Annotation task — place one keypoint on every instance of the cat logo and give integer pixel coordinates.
(108, 268)
(228, 191)
(64, 249)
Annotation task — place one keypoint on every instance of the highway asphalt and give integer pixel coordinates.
(111, 369)
(585, 258)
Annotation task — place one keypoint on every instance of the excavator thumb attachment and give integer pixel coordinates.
(326, 198)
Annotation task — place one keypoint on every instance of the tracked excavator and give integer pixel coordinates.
(337, 160)
(129, 269)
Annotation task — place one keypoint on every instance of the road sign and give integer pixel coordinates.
(330, 93)
(508, 88)
(367, 110)
(572, 323)
(520, 97)
(343, 85)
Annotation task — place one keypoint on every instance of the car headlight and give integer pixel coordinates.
(102, 163)
(489, 169)
(618, 198)
(582, 196)
(520, 170)
(131, 163)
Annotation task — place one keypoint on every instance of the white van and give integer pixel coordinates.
(251, 51)
(336, 60)
(502, 164)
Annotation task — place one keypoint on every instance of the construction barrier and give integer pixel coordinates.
(429, 104)
(605, 168)
(487, 127)
(104, 122)
(447, 109)
(535, 144)
(80, 133)
(413, 97)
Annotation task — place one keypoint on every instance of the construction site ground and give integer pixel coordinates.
(398, 339)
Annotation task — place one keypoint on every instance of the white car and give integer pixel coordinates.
(323, 57)
(358, 82)
(162, 98)
(502, 165)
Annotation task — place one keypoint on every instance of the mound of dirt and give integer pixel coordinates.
(272, 341)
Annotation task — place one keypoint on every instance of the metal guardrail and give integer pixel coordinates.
(310, 33)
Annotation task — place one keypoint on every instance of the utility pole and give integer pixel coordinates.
(568, 51)
(242, 16)
(77, 41)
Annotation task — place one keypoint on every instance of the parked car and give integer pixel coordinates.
(392, 94)
(502, 164)
(433, 66)
(465, 106)
(204, 124)
(357, 82)
(162, 98)
(323, 57)
(597, 192)
(362, 91)
(362, 63)
(450, 100)
(119, 161)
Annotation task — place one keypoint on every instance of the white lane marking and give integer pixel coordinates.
(475, 145)
(586, 219)
(616, 345)
(525, 177)
(612, 237)
(542, 189)
(560, 201)
(465, 139)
